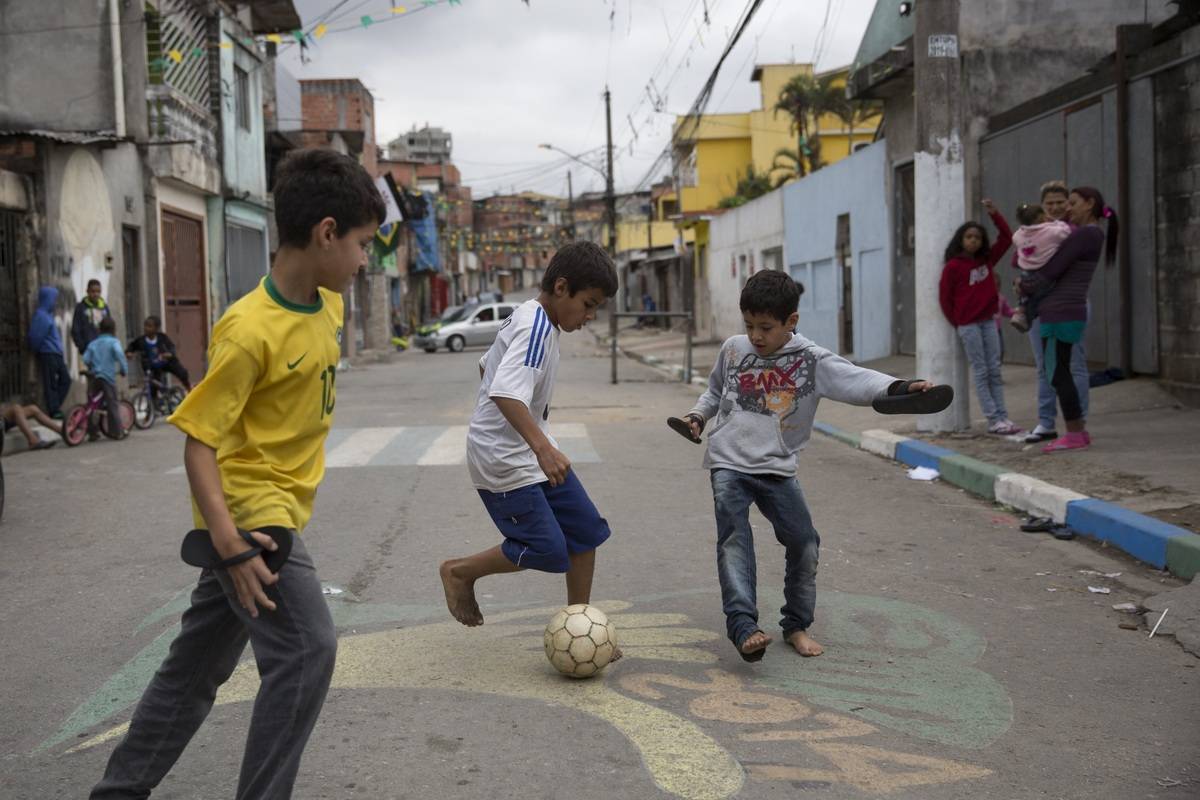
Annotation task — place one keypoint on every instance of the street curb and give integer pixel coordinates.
(674, 370)
(1147, 539)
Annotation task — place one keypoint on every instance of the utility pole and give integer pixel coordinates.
(571, 206)
(940, 193)
(610, 206)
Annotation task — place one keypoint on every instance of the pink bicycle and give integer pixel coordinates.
(78, 421)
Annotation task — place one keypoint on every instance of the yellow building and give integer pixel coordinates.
(715, 153)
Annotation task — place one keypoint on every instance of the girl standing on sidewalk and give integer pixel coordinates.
(969, 300)
(1063, 312)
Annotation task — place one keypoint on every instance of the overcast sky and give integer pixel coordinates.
(503, 77)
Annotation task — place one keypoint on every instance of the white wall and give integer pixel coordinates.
(856, 186)
(737, 241)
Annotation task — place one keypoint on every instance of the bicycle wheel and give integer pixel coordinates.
(75, 426)
(174, 397)
(144, 411)
(127, 418)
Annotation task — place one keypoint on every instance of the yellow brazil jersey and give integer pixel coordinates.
(266, 404)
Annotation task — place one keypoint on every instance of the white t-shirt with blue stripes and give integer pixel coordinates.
(521, 364)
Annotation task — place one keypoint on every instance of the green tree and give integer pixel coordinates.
(749, 186)
(806, 98)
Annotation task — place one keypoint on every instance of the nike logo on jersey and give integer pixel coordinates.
(296, 363)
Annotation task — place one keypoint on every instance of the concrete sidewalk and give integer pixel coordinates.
(1144, 457)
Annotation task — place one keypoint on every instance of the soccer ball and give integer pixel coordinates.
(580, 641)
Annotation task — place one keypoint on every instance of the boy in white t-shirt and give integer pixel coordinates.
(527, 485)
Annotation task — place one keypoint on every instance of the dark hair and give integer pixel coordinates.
(108, 325)
(799, 289)
(152, 318)
(956, 249)
(1102, 211)
(1029, 213)
(1054, 187)
(93, 282)
(313, 184)
(770, 292)
(585, 265)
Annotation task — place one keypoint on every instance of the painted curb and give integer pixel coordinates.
(1143, 537)
(1147, 539)
(977, 477)
(1035, 496)
(852, 439)
(1183, 555)
(880, 442)
(916, 453)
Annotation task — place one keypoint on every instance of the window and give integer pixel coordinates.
(506, 312)
(241, 97)
(486, 315)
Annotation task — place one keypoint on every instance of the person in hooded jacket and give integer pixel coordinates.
(47, 345)
(89, 313)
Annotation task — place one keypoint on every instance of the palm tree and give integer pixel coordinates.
(751, 185)
(790, 163)
(807, 98)
(858, 111)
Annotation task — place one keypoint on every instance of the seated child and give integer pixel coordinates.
(764, 391)
(105, 357)
(1037, 240)
(158, 352)
(16, 415)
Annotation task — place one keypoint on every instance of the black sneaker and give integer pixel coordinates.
(1040, 434)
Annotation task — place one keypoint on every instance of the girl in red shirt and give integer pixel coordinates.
(969, 299)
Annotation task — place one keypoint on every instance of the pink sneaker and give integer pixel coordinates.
(1077, 440)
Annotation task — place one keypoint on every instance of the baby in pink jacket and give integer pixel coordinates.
(1036, 242)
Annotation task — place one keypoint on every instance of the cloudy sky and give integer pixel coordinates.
(503, 76)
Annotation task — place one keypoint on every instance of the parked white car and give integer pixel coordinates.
(478, 327)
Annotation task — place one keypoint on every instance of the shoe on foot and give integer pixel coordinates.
(1041, 434)
(1005, 427)
(1019, 322)
(1072, 440)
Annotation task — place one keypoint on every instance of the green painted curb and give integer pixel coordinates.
(1183, 555)
(852, 439)
(977, 477)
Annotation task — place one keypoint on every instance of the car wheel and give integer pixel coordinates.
(456, 344)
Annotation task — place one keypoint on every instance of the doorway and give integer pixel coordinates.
(184, 282)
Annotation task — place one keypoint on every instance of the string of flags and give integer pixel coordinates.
(299, 36)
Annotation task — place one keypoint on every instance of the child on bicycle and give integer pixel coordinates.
(105, 357)
(157, 353)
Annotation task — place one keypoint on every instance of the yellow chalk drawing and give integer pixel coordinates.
(681, 758)
(504, 657)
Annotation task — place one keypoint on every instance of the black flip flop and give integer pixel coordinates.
(757, 655)
(198, 551)
(682, 427)
(1062, 533)
(936, 399)
(1038, 525)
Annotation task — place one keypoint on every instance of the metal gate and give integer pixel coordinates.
(10, 309)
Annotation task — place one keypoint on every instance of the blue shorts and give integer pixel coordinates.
(542, 524)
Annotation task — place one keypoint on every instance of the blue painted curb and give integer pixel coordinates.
(1147, 539)
(1143, 537)
(916, 453)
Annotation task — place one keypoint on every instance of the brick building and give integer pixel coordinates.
(340, 109)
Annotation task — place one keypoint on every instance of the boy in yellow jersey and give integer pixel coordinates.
(255, 453)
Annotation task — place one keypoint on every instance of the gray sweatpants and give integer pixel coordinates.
(294, 648)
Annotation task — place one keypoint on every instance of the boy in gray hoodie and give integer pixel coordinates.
(763, 392)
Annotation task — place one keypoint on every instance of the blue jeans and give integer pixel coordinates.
(981, 341)
(1047, 398)
(782, 502)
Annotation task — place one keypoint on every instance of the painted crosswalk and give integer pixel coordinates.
(429, 446)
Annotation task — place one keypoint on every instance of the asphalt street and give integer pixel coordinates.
(963, 658)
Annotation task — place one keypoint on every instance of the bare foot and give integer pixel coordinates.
(616, 656)
(460, 596)
(755, 643)
(805, 645)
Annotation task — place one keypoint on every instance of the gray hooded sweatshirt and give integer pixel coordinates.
(765, 405)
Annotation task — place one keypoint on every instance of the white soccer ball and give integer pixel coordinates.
(580, 641)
